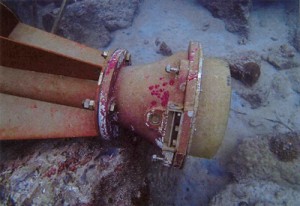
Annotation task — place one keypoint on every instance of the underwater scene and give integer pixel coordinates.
(146, 102)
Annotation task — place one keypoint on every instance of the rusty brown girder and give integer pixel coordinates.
(44, 80)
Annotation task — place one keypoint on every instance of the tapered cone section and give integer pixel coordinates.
(213, 109)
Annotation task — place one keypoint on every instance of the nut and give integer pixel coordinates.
(170, 69)
(91, 104)
(104, 54)
(88, 104)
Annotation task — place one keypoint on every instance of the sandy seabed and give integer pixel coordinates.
(178, 22)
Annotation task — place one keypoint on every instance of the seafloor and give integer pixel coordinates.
(258, 162)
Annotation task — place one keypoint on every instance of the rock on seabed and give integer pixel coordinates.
(91, 21)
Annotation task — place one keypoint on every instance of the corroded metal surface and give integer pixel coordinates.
(46, 87)
(106, 111)
(41, 87)
(213, 109)
(142, 97)
(35, 37)
(164, 106)
(23, 118)
(192, 93)
(10, 22)
(23, 56)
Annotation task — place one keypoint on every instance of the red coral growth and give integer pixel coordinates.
(70, 165)
(50, 172)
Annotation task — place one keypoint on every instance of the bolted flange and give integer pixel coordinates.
(107, 106)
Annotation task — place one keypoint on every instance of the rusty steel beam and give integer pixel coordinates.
(22, 56)
(28, 35)
(46, 87)
(23, 118)
(43, 78)
(8, 21)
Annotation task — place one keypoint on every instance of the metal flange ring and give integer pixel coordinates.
(106, 108)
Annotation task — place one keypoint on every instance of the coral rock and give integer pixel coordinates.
(251, 73)
(281, 90)
(294, 76)
(253, 159)
(282, 57)
(257, 193)
(90, 22)
(297, 39)
(255, 100)
(285, 147)
(235, 14)
(245, 67)
(164, 49)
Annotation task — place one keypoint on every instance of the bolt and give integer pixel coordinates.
(156, 158)
(88, 104)
(170, 69)
(154, 118)
(112, 107)
(104, 54)
(128, 57)
(91, 104)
